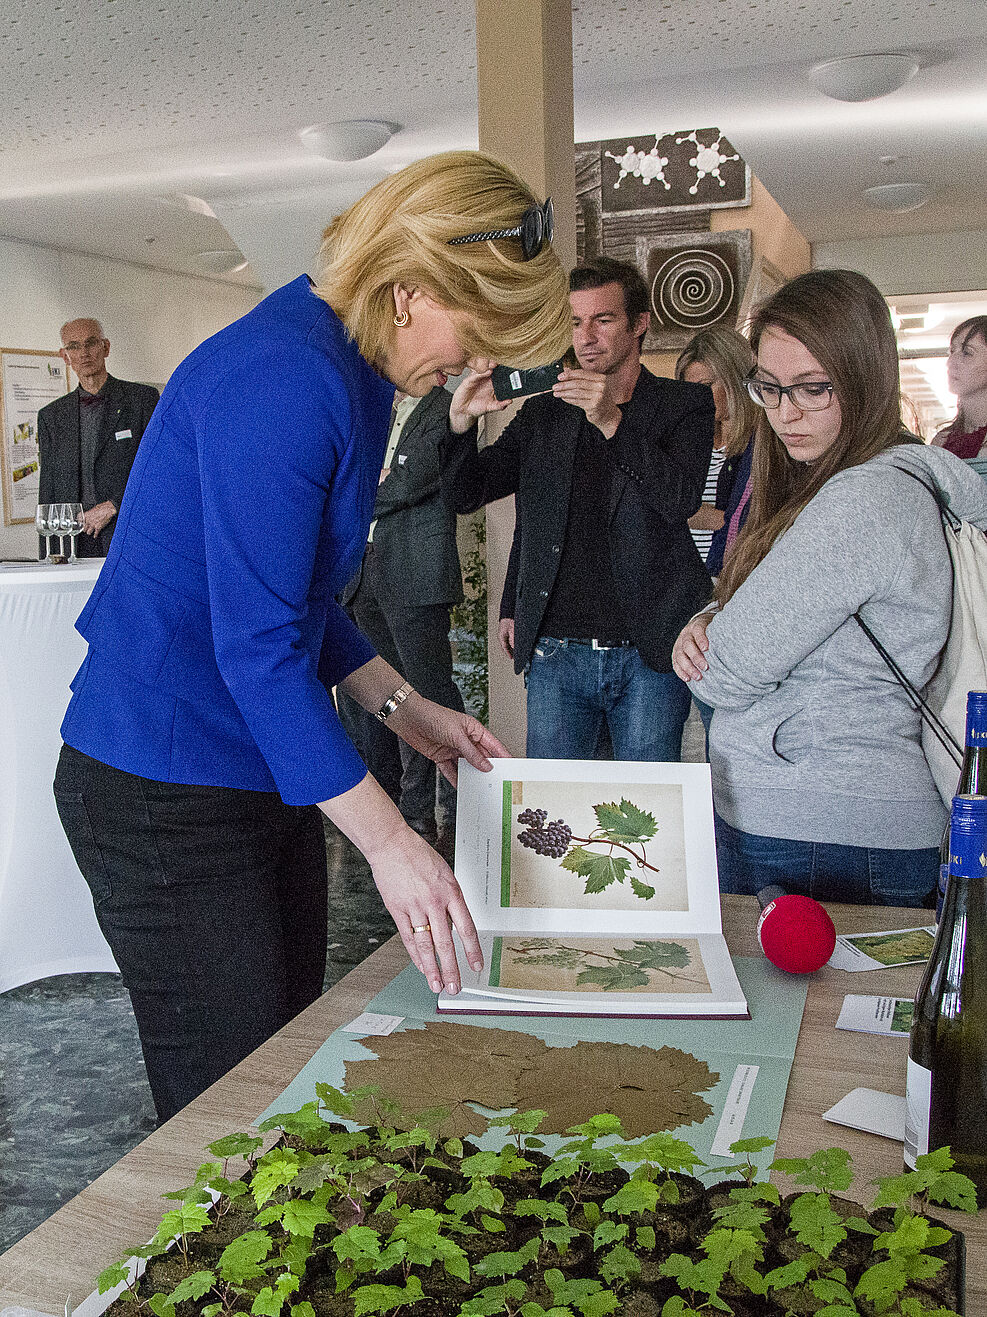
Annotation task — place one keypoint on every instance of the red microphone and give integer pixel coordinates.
(795, 932)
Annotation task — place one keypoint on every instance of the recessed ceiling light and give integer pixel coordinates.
(222, 262)
(898, 197)
(862, 77)
(347, 139)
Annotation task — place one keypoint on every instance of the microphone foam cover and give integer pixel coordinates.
(796, 934)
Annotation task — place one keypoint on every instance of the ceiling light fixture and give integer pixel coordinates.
(862, 77)
(222, 262)
(898, 197)
(347, 139)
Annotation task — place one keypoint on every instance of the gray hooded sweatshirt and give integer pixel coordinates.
(812, 738)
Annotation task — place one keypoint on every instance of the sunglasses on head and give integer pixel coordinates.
(535, 230)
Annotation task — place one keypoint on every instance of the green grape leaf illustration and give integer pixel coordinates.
(625, 822)
(613, 978)
(641, 889)
(657, 955)
(598, 870)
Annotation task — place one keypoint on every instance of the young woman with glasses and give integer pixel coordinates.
(819, 780)
(201, 741)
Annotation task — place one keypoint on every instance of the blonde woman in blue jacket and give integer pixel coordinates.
(202, 740)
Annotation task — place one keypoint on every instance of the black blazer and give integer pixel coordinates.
(661, 453)
(415, 535)
(128, 407)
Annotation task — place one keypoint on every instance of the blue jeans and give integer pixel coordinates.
(572, 688)
(863, 875)
(213, 901)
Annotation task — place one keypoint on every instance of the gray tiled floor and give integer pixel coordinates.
(63, 1121)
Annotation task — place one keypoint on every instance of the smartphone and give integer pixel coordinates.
(509, 383)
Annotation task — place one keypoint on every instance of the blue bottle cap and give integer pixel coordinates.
(968, 837)
(976, 718)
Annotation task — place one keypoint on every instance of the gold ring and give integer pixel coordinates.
(421, 928)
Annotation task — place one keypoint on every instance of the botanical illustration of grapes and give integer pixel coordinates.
(623, 827)
(624, 970)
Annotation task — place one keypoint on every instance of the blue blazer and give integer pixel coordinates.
(214, 635)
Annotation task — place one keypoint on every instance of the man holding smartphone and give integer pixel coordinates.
(606, 469)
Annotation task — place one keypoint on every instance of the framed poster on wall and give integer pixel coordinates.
(28, 380)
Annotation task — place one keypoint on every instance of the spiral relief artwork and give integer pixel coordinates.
(696, 280)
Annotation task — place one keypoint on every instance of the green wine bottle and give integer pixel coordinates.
(973, 775)
(946, 1091)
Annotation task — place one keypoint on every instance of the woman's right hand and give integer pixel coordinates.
(689, 649)
(419, 888)
(474, 398)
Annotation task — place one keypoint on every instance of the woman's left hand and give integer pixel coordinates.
(444, 735)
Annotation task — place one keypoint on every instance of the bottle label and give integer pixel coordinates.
(918, 1103)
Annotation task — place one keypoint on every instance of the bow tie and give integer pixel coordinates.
(90, 399)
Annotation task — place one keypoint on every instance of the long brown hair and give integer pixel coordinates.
(975, 327)
(845, 323)
(727, 355)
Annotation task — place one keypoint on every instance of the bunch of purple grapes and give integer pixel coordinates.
(543, 838)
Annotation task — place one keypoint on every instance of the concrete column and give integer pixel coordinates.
(524, 75)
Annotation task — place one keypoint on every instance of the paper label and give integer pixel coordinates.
(515, 379)
(124, 434)
(884, 1015)
(918, 1107)
(731, 1126)
(377, 1026)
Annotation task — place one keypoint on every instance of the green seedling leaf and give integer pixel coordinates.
(116, 1274)
(756, 1193)
(508, 1264)
(599, 1304)
(275, 1170)
(610, 1232)
(301, 1217)
(619, 1264)
(235, 1145)
(663, 1151)
(560, 1237)
(758, 1144)
(193, 1287)
(644, 1237)
(189, 1220)
(704, 1277)
(743, 1216)
(493, 1299)
(303, 1309)
(793, 1273)
(676, 1306)
(816, 1225)
(160, 1306)
(955, 1190)
(271, 1299)
(521, 1122)
(385, 1298)
(832, 1291)
(338, 1103)
(543, 1208)
(356, 1243)
(240, 1259)
(625, 822)
(592, 1213)
(492, 1224)
(633, 1196)
(727, 1246)
(829, 1170)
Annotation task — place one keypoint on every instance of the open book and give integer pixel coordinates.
(594, 891)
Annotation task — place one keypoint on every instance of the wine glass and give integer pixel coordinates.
(62, 522)
(42, 523)
(74, 522)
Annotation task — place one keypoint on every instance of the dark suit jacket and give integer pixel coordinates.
(660, 454)
(415, 534)
(128, 407)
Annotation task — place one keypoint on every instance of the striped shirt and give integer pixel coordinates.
(704, 538)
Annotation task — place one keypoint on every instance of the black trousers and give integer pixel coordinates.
(213, 901)
(414, 639)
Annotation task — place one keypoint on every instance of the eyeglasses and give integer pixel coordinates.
(536, 228)
(75, 346)
(813, 396)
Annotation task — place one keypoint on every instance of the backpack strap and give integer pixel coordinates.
(916, 699)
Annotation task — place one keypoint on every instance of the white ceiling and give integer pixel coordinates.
(109, 107)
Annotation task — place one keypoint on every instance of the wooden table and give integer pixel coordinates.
(121, 1208)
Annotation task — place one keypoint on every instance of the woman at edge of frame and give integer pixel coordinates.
(201, 739)
(819, 780)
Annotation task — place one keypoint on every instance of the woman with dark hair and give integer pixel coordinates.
(201, 742)
(819, 779)
(966, 371)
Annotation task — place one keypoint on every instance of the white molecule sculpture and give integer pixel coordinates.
(707, 160)
(648, 166)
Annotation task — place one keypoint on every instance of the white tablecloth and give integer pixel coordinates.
(47, 924)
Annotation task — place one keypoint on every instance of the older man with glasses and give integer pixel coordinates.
(88, 438)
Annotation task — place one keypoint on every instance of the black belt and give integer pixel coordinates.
(597, 643)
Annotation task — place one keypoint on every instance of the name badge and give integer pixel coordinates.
(124, 434)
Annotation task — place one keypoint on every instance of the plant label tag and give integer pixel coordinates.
(731, 1126)
(376, 1026)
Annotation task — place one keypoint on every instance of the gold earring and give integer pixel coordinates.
(402, 319)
